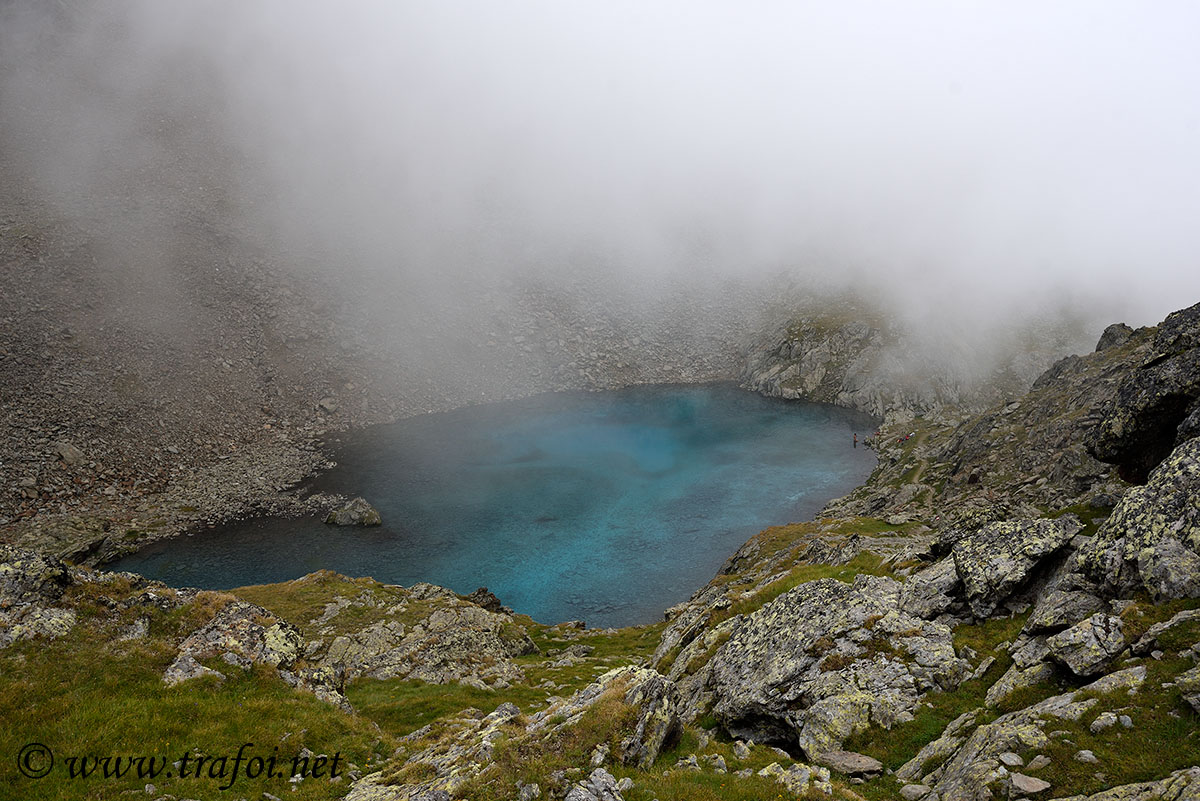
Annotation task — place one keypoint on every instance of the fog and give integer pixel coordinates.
(965, 165)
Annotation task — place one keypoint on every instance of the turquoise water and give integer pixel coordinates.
(606, 507)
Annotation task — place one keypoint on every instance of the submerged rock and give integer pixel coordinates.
(355, 513)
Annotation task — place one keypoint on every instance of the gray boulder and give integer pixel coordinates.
(1088, 647)
(827, 659)
(29, 577)
(994, 561)
(354, 513)
(1152, 539)
(599, 786)
(1142, 425)
(1058, 609)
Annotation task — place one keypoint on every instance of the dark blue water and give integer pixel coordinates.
(607, 507)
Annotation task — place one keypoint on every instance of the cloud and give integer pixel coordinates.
(967, 163)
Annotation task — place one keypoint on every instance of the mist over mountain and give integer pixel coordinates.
(966, 170)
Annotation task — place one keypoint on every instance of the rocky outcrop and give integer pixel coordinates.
(1090, 646)
(1155, 404)
(827, 659)
(457, 642)
(30, 583)
(462, 751)
(356, 512)
(1151, 541)
(998, 558)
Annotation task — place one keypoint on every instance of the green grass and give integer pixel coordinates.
(89, 695)
(1165, 736)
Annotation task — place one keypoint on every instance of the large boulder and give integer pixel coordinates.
(1088, 647)
(354, 513)
(998, 558)
(458, 642)
(827, 659)
(29, 583)
(1155, 401)
(29, 577)
(242, 634)
(1151, 541)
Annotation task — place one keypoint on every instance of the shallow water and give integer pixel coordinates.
(606, 507)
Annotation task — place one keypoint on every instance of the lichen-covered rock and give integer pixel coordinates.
(652, 696)
(1058, 609)
(29, 582)
(1018, 678)
(249, 633)
(1114, 336)
(29, 577)
(599, 786)
(975, 767)
(1142, 426)
(850, 763)
(826, 659)
(1188, 683)
(458, 642)
(995, 560)
(356, 512)
(1152, 539)
(928, 593)
(797, 779)
(1090, 646)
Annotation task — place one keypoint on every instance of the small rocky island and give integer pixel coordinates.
(1008, 608)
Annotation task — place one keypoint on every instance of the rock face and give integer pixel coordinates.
(1152, 539)
(354, 513)
(1156, 404)
(827, 659)
(999, 557)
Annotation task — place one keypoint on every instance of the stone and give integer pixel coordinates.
(850, 763)
(1142, 423)
(1114, 336)
(1188, 683)
(807, 669)
(29, 577)
(1028, 784)
(741, 750)
(599, 786)
(1149, 641)
(1017, 678)
(356, 512)
(995, 560)
(1038, 762)
(184, 668)
(68, 453)
(1149, 542)
(485, 598)
(1090, 646)
(911, 792)
(1103, 721)
(1057, 609)
(1085, 755)
(1011, 760)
